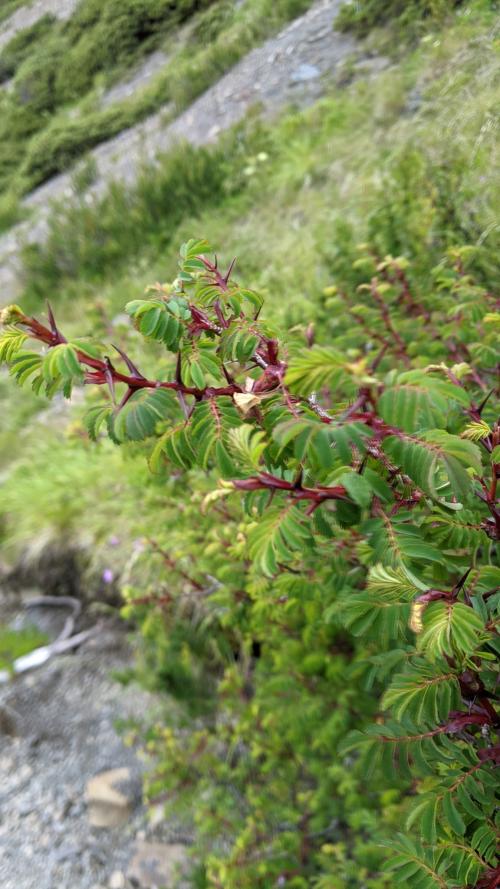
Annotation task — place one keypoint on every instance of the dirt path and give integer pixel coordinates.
(293, 67)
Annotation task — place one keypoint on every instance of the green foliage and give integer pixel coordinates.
(450, 629)
(330, 605)
(19, 48)
(99, 37)
(56, 63)
(384, 607)
(11, 211)
(413, 863)
(425, 694)
(360, 16)
(104, 36)
(81, 238)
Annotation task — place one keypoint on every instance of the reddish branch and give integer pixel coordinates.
(491, 880)
(102, 372)
(456, 723)
(173, 565)
(384, 311)
(265, 481)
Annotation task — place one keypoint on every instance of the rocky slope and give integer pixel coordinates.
(64, 820)
(292, 68)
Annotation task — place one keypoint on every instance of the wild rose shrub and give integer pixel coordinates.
(329, 611)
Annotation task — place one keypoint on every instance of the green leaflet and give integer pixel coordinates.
(327, 444)
(223, 460)
(210, 424)
(429, 867)
(247, 445)
(139, 418)
(280, 534)
(420, 402)
(172, 446)
(358, 487)
(192, 248)
(24, 364)
(200, 365)
(90, 349)
(456, 530)
(57, 370)
(423, 694)
(160, 320)
(397, 540)
(11, 341)
(313, 368)
(62, 361)
(383, 608)
(395, 746)
(190, 263)
(96, 417)
(239, 341)
(452, 815)
(484, 841)
(437, 463)
(243, 301)
(450, 628)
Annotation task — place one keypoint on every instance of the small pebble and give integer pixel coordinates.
(117, 880)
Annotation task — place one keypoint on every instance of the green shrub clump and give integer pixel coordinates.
(99, 37)
(361, 16)
(22, 44)
(55, 64)
(323, 588)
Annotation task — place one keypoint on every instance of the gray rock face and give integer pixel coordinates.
(304, 73)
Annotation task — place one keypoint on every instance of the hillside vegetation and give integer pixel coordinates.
(52, 113)
(301, 518)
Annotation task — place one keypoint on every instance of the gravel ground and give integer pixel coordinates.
(65, 715)
(292, 68)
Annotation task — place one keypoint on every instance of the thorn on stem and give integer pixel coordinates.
(230, 269)
(484, 402)
(52, 320)
(130, 364)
